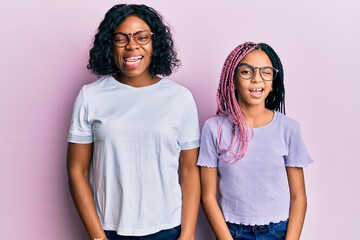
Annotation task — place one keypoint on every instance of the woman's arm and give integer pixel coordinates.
(78, 164)
(298, 202)
(190, 187)
(210, 205)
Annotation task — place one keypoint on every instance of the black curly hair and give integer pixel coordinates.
(164, 59)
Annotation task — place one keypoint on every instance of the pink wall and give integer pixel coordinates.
(43, 54)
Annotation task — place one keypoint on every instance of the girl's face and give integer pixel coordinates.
(133, 60)
(253, 92)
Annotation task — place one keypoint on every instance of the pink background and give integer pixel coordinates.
(43, 54)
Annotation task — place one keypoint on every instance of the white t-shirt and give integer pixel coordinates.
(138, 134)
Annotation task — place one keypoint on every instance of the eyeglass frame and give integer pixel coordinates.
(128, 37)
(260, 71)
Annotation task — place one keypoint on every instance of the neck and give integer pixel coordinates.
(257, 116)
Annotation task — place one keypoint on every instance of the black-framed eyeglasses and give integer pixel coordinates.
(121, 39)
(246, 71)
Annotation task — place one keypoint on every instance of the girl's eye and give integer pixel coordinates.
(267, 71)
(246, 72)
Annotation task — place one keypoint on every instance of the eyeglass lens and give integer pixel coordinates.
(122, 39)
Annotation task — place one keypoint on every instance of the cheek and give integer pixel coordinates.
(149, 50)
(240, 86)
(237, 84)
(117, 57)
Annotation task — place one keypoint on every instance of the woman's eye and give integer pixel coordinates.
(143, 38)
(120, 39)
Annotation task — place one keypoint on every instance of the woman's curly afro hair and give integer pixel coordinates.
(164, 59)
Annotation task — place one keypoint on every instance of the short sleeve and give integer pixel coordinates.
(190, 133)
(298, 155)
(208, 156)
(80, 128)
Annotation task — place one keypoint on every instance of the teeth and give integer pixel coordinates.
(131, 59)
(256, 90)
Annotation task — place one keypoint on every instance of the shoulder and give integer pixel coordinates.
(98, 84)
(216, 121)
(217, 118)
(177, 93)
(174, 86)
(286, 121)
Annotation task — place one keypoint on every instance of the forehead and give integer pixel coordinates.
(132, 24)
(257, 58)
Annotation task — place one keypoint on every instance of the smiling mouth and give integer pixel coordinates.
(257, 90)
(133, 59)
(133, 62)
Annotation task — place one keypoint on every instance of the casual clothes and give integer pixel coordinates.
(254, 190)
(138, 134)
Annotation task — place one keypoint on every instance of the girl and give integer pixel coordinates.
(252, 153)
(133, 134)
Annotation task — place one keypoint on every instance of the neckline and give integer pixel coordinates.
(123, 85)
(267, 125)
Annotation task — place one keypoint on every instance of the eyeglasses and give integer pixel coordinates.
(246, 71)
(121, 39)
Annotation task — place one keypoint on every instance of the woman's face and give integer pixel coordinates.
(133, 60)
(253, 92)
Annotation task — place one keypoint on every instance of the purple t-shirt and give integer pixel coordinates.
(254, 190)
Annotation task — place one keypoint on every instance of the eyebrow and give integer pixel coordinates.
(244, 63)
(133, 32)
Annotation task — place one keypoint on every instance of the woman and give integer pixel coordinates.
(252, 153)
(133, 134)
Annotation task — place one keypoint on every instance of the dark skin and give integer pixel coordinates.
(78, 166)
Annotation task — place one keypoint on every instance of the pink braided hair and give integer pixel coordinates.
(227, 103)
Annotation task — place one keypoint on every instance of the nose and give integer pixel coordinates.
(132, 44)
(256, 77)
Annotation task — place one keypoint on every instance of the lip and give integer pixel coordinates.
(133, 56)
(132, 61)
(256, 92)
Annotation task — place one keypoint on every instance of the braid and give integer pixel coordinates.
(227, 103)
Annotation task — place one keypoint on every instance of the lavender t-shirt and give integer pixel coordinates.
(254, 190)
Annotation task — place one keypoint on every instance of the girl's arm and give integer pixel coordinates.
(210, 205)
(190, 187)
(78, 164)
(298, 202)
